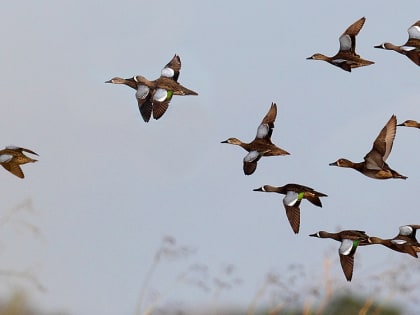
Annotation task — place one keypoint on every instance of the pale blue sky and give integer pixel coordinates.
(108, 187)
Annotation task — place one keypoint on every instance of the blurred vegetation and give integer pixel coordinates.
(18, 304)
(292, 291)
(280, 293)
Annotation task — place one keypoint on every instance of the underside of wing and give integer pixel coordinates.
(161, 99)
(383, 143)
(250, 162)
(293, 215)
(14, 169)
(145, 107)
(347, 263)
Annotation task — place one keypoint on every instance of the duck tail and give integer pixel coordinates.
(314, 200)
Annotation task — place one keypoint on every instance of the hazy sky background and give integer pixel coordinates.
(108, 187)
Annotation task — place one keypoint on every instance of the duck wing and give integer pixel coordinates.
(250, 162)
(348, 38)
(172, 68)
(414, 32)
(308, 193)
(144, 100)
(265, 129)
(14, 169)
(346, 251)
(161, 99)
(293, 215)
(382, 146)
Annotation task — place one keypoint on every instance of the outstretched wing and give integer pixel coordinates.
(14, 169)
(171, 70)
(348, 38)
(265, 129)
(144, 101)
(161, 99)
(382, 146)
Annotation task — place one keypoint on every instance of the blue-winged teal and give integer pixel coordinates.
(261, 145)
(374, 164)
(396, 244)
(12, 157)
(350, 240)
(404, 242)
(294, 194)
(154, 96)
(410, 123)
(411, 48)
(346, 58)
(408, 233)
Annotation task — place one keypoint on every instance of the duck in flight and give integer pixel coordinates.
(374, 164)
(153, 97)
(261, 145)
(346, 58)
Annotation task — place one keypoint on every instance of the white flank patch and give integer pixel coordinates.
(338, 61)
(251, 156)
(291, 198)
(167, 72)
(160, 95)
(346, 247)
(262, 131)
(5, 158)
(414, 32)
(398, 242)
(406, 230)
(407, 48)
(142, 92)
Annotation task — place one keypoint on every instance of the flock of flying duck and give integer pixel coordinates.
(153, 98)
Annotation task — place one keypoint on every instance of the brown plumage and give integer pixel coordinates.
(261, 145)
(350, 240)
(410, 123)
(12, 157)
(294, 194)
(411, 48)
(153, 97)
(407, 233)
(346, 58)
(402, 247)
(374, 165)
(404, 242)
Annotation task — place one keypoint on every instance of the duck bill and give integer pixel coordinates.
(378, 46)
(109, 81)
(224, 141)
(258, 189)
(333, 164)
(313, 235)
